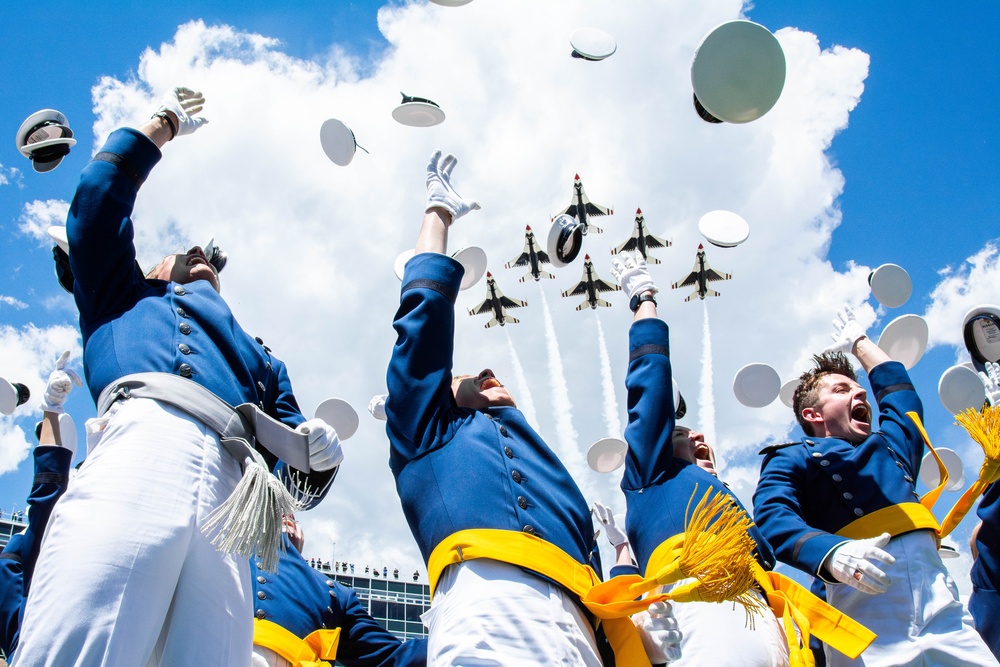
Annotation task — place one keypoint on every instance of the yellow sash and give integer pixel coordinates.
(548, 560)
(318, 649)
(905, 517)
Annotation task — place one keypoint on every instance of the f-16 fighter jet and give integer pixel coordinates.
(642, 241)
(700, 276)
(590, 286)
(533, 257)
(497, 304)
(582, 208)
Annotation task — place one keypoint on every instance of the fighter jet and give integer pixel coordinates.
(590, 286)
(700, 276)
(642, 241)
(497, 304)
(532, 257)
(581, 208)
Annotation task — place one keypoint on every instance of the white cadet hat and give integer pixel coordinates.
(737, 73)
(724, 229)
(472, 259)
(339, 414)
(418, 112)
(981, 331)
(931, 476)
(12, 394)
(565, 240)
(592, 44)
(756, 385)
(607, 455)
(960, 388)
(891, 285)
(338, 142)
(45, 138)
(905, 339)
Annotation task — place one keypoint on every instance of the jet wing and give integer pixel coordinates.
(485, 307)
(589, 207)
(711, 275)
(579, 288)
(520, 260)
(605, 286)
(507, 302)
(630, 244)
(691, 279)
(656, 242)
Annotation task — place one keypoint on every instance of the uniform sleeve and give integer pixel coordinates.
(896, 396)
(777, 510)
(99, 225)
(17, 563)
(365, 643)
(650, 428)
(419, 375)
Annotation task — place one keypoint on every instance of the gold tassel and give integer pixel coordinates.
(984, 428)
(718, 552)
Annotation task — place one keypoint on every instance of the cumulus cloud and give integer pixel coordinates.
(312, 245)
(961, 288)
(27, 356)
(37, 216)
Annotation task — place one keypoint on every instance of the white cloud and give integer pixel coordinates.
(13, 302)
(37, 216)
(312, 245)
(961, 288)
(27, 356)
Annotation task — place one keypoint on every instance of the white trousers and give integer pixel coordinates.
(719, 634)
(125, 576)
(919, 620)
(487, 613)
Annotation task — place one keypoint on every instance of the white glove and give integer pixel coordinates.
(991, 381)
(324, 445)
(846, 331)
(606, 518)
(661, 637)
(61, 382)
(377, 406)
(631, 273)
(439, 189)
(184, 103)
(850, 564)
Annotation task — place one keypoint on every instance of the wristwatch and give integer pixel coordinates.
(638, 299)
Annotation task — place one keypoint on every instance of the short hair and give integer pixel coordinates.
(807, 393)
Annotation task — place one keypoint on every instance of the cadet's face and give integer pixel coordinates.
(691, 447)
(481, 391)
(188, 267)
(842, 410)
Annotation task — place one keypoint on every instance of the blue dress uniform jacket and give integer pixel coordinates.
(660, 490)
(811, 489)
(984, 603)
(133, 325)
(17, 562)
(302, 600)
(457, 468)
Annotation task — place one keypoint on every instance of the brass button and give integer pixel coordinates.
(509, 452)
(516, 476)
(186, 372)
(185, 328)
(183, 347)
(179, 290)
(522, 502)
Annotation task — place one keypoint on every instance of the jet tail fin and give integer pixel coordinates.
(492, 323)
(603, 303)
(711, 292)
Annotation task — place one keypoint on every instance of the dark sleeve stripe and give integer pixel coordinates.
(424, 283)
(51, 478)
(120, 162)
(801, 542)
(649, 348)
(10, 556)
(904, 386)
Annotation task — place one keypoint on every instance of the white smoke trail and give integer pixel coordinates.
(706, 413)
(566, 436)
(523, 394)
(612, 422)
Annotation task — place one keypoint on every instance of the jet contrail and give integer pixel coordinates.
(612, 422)
(566, 436)
(706, 413)
(523, 396)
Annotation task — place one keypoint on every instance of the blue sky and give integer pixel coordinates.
(881, 150)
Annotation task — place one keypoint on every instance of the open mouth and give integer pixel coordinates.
(861, 413)
(489, 383)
